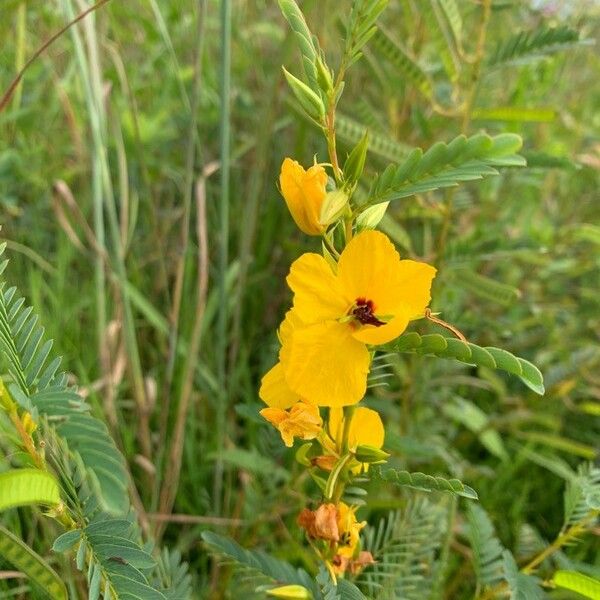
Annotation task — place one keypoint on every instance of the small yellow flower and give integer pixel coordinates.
(304, 193)
(369, 300)
(302, 420)
(349, 530)
(366, 428)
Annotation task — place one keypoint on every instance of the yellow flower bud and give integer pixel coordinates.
(304, 193)
(290, 592)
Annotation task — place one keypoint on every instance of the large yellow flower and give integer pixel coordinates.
(304, 193)
(370, 300)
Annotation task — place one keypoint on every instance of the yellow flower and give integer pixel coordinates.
(290, 592)
(304, 193)
(366, 428)
(302, 420)
(349, 530)
(370, 300)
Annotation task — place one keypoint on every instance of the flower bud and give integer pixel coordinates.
(310, 101)
(355, 163)
(333, 207)
(304, 193)
(370, 217)
(324, 77)
(290, 592)
(370, 454)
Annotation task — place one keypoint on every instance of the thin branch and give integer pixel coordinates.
(13, 86)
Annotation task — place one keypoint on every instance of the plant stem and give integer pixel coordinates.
(223, 245)
(564, 538)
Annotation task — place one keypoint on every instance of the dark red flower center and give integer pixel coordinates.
(364, 312)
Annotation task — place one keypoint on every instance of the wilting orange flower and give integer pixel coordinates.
(302, 420)
(304, 193)
(336, 315)
(321, 523)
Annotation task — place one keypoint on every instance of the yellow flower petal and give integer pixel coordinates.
(316, 291)
(325, 365)
(292, 321)
(414, 279)
(274, 391)
(366, 427)
(304, 193)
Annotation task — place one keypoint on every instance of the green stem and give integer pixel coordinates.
(223, 244)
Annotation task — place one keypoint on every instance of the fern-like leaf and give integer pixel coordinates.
(269, 567)
(38, 387)
(381, 145)
(405, 546)
(361, 27)
(423, 482)
(402, 62)
(487, 549)
(446, 165)
(522, 586)
(493, 358)
(582, 495)
(528, 46)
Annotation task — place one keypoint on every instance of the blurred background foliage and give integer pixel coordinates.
(110, 182)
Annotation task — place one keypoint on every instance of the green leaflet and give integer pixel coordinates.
(577, 582)
(493, 358)
(21, 487)
(446, 165)
(22, 557)
(401, 61)
(423, 482)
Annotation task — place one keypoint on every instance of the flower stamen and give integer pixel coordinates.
(364, 312)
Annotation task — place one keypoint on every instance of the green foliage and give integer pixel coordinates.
(493, 358)
(446, 165)
(582, 496)
(402, 62)
(522, 586)
(487, 549)
(262, 567)
(23, 558)
(577, 582)
(516, 257)
(45, 391)
(308, 45)
(527, 46)
(20, 487)
(423, 482)
(406, 547)
(360, 27)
